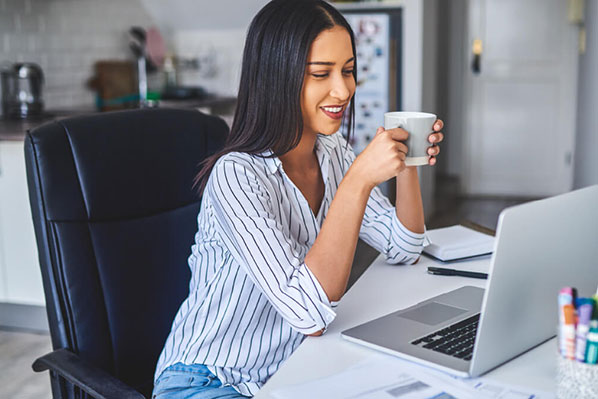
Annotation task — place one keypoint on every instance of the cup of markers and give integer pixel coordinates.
(578, 345)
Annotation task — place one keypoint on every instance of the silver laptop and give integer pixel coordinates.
(541, 246)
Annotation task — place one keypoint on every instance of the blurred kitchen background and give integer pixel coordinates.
(516, 82)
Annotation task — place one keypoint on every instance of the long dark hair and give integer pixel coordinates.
(268, 114)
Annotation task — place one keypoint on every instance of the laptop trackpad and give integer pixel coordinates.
(432, 313)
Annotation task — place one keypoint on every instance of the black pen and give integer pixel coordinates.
(441, 271)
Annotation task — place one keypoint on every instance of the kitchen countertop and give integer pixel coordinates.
(14, 130)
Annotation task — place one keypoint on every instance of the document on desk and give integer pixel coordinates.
(371, 378)
(481, 387)
(387, 377)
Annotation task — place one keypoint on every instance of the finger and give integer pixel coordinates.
(398, 134)
(435, 138)
(438, 125)
(434, 151)
(401, 147)
(432, 161)
(379, 130)
(402, 156)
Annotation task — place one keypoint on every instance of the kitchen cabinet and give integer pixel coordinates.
(20, 275)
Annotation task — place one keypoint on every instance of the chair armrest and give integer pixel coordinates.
(91, 379)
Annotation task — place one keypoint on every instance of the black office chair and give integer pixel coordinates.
(115, 217)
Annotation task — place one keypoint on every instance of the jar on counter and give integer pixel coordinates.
(22, 85)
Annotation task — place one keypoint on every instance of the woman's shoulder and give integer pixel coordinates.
(239, 158)
(232, 157)
(237, 172)
(242, 163)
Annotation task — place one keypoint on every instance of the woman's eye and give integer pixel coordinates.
(347, 72)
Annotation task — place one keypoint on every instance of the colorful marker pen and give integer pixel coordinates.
(569, 331)
(565, 298)
(584, 311)
(574, 303)
(592, 343)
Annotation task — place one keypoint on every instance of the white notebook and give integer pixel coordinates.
(457, 242)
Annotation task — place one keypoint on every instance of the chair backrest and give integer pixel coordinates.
(115, 216)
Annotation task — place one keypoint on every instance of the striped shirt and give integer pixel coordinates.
(251, 298)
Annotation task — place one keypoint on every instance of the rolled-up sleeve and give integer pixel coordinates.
(381, 228)
(248, 227)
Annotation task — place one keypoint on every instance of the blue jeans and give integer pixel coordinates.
(181, 381)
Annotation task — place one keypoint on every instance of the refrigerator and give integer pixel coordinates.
(377, 41)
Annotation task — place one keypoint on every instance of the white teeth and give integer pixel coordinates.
(334, 110)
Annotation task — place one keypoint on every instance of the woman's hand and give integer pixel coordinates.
(383, 158)
(435, 138)
(316, 334)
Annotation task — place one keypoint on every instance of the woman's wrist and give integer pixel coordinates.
(407, 174)
(358, 180)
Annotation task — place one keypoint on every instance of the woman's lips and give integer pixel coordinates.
(333, 115)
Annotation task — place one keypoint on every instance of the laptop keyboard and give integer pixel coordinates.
(455, 340)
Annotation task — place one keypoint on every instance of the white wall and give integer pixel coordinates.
(586, 151)
(205, 15)
(66, 37)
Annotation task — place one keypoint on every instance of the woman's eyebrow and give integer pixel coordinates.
(321, 63)
(328, 62)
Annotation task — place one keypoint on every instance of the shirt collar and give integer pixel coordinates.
(324, 145)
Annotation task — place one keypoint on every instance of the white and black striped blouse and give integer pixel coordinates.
(252, 299)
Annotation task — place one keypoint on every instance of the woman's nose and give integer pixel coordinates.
(340, 89)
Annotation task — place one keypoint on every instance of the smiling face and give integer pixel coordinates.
(329, 84)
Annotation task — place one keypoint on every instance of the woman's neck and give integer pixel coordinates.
(302, 157)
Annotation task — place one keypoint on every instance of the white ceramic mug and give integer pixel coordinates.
(419, 125)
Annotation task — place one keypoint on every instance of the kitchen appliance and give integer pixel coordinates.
(22, 85)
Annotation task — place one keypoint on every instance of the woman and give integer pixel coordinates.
(283, 206)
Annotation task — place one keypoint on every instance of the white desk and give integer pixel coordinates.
(383, 289)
